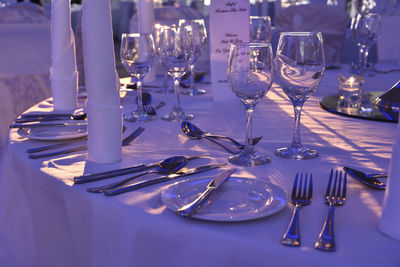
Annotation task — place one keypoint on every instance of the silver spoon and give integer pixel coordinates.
(195, 132)
(167, 166)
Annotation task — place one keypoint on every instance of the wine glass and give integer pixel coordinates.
(137, 55)
(260, 29)
(250, 76)
(175, 50)
(199, 39)
(365, 29)
(299, 65)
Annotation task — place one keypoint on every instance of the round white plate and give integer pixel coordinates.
(238, 199)
(53, 132)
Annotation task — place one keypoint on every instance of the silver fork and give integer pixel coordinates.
(326, 239)
(150, 110)
(299, 198)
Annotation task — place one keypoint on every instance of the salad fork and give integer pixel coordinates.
(300, 197)
(326, 239)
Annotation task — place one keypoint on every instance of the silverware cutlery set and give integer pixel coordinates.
(170, 169)
(302, 196)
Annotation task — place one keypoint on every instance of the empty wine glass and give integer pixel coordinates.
(250, 76)
(260, 29)
(199, 38)
(175, 50)
(365, 29)
(137, 55)
(299, 65)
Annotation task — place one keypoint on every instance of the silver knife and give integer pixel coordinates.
(46, 124)
(113, 173)
(125, 142)
(191, 208)
(164, 178)
(366, 178)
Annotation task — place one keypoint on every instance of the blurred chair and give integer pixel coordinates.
(329, 20)
(24, 62)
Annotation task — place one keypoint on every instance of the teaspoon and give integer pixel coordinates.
(195, 132)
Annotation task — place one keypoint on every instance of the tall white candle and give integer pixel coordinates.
(146, 16)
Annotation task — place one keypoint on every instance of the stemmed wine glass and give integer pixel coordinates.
(299, 65)
(137, 55)
(250, 76)
(175, 50)
(365, 29)
(260, 29)
(199, 39)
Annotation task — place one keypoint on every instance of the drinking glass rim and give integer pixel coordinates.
(300, 33)
(251, 44)
(134, 34)
(263, 17)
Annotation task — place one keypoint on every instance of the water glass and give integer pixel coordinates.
(199, 39)
(260, 29)
(137, 55)
(176, 55)
(365, 30)
(300, 65)
(250, 77)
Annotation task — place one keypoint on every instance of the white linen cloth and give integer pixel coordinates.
(50, 222)
(102, 83)
(390, 219)
(64, 75)
(329, 20)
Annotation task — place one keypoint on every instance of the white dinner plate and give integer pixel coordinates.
(54, 132)
(238, 199)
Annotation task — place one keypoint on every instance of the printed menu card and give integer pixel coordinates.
(229, 23)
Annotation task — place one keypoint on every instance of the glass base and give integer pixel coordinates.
(193, 91)
(139, 116)
(177, 116)
(296, 153)
(249, 158)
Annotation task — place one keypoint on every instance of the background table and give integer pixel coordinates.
(48, 221)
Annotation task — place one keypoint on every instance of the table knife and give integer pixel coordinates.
(126, 141)
(46, 124)
(119, 172)
(164, 178)
(369, 180)
(191, 208)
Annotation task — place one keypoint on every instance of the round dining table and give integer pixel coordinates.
(47, 220)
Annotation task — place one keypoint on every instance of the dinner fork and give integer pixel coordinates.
(326, 239)
(300, 197)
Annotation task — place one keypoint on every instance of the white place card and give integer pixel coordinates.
(229, 23)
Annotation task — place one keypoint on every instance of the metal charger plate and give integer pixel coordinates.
(368, 110)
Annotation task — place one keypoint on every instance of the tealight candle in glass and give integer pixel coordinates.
(350, 92)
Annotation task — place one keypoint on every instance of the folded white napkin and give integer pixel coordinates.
(105, 133)
(390, 219)
(64, 76)
(102, 83)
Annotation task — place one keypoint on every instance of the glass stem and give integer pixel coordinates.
(365, 59)
(177, 87)
(249, 126)
(361, 58)
(139, 94)
(191, 76)
(296, 142)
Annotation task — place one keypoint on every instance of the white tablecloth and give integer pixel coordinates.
(48, 221)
